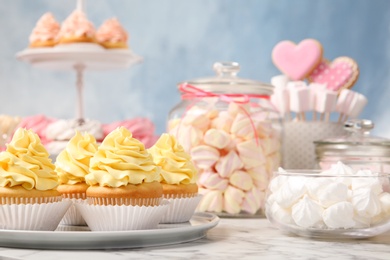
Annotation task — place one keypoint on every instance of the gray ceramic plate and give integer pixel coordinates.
(74, 237)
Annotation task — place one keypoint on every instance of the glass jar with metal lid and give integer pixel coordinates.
(358, 148)
(232, 132)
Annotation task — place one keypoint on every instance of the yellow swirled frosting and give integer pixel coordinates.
(26, 163)
(176, 165)
(121, 160)
(72, 164)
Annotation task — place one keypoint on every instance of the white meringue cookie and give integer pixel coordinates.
(380, 219)
(314, 185)
(281, 215)
(361, 222)
(366, 203)
(291, 191)
(332, 194)
(341, 169)
(368, 180)
(339, 215)
(384, 199)
(307, 213)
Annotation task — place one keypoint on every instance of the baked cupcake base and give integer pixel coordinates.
(19, 195)
(76, 39)
(179, 190)
(145, 194)
(43, 44)
(114, 45)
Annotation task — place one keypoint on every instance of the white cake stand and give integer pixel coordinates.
(79, 57)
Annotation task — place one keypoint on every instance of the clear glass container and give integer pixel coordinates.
(233, 134)
(357, 148)
(338, 203)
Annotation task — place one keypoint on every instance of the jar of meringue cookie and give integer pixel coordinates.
(233, 134)
(357, 148)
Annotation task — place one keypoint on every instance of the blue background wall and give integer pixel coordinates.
(180, 40)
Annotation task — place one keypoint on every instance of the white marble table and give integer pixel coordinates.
(231, 239)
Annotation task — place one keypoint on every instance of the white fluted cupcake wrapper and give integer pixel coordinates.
(181, 209)
(45, 216)
(117, 218)
(73, 217)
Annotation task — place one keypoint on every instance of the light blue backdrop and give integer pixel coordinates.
(180, 40)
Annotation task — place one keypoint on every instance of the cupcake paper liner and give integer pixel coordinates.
(73, 217)
(180, 209)
(125, 201)
(44, 216)
(119, 218)
(32, 200)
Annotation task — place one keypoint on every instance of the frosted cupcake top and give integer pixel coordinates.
(46, 29)
(121, 160)
(111, 31)
(26, 163)
(77, 25)
(72, 164)
(176, 165)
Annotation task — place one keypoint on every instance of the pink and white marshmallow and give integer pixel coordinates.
(217, 138)
(204, 156)
(228, 164)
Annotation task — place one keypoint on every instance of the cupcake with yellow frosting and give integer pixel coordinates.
(28, 185)
(72, 164)
(178, 177)
(124, 186)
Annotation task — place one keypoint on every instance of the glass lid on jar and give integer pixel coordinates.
(357, 142)
(227, 81)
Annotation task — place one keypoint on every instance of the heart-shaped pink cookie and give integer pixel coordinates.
(297, 61)
(341, 73)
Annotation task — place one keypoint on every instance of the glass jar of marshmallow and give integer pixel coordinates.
(357, 148)
(233, 134)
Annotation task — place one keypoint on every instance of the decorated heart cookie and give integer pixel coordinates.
(337, 75)
(297, 61)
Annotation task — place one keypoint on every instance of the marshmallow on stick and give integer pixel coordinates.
(299, 98)
(315, 88)
(326, 103)
(280, 98)
(343, 102)
(356, 107)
